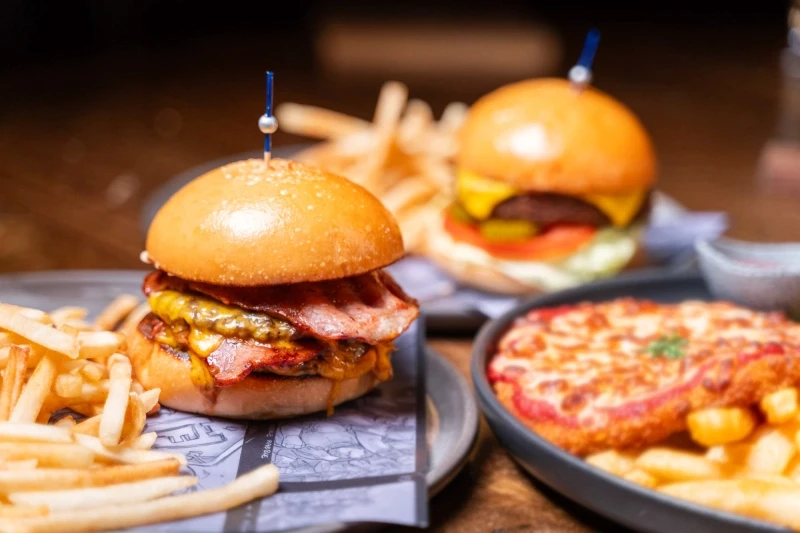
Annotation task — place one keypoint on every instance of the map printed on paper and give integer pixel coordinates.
(365, 463)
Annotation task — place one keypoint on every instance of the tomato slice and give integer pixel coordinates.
(555, 242)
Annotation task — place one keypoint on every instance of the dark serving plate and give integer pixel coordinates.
(606, 494)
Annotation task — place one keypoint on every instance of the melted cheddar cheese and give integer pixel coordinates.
(479, 196)
(199, 326)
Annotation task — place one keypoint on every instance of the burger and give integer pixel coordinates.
(268, 299)
(553, 186)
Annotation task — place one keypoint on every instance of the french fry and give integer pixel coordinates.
(22, 464)
(411, 191)
(413, 126)
(32, 359)
(728, 495)
(69, 330)
(93, 372)
(68, 385)
(99, 344)
(435, 171)
(34, 392)
(34, 355)
(259, 483)
(149, 399)
(21, 511)
(22, 359)
(135, 418)
(780, 406)
(56, 478)
(774, 479)
(317, 122)
(38, 333)
(36, 315)
(674, 465)
(48, 454)
(12, 431)
(137, 387)
(7, 388)
(86, 498)
(391, 101)
(640, 477)
(6, 339)
(116, 311)
(771, 451)
(720, 425)
(73, 366)
(612, 461)
(80, 325)
(113, 416)
(89, 426)
(65, 422)
(453, 116)
(145, 441)
(124, 455)
(756, 498)
(62, 315)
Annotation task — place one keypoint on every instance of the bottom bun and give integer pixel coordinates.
(256, 397)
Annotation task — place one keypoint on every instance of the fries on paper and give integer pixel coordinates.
(101, 472)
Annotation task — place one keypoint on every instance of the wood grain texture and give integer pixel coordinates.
(82, 146)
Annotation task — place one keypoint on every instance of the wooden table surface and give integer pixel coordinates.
(82, 147)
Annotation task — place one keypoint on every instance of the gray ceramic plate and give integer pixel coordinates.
(608, 495)
(453, 414)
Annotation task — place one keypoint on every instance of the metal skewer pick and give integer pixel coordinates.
(268, 124)
(581, 74)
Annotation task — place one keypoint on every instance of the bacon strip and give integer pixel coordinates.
(370, 308)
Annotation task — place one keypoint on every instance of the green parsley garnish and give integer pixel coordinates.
(669, 346)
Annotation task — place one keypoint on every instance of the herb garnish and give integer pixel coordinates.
(669, 346)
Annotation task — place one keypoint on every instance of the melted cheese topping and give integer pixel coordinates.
(586, 361)
(199, 325)
(211, 316)
(479, 196)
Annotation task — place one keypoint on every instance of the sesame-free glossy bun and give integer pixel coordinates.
(245, 225)
(543, 135)
(256, 397)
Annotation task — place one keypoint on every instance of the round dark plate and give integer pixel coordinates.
(452, 412)
(613, 497)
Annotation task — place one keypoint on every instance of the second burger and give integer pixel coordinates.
(552, 188)
(268, 299)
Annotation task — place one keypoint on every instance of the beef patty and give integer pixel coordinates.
(546, 209)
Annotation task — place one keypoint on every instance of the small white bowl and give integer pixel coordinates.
(763, 276)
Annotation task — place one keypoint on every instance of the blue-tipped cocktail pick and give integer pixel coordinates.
(581, 74)
(268, 124)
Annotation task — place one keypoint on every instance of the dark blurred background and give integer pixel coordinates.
(103, 101)
(39, 31)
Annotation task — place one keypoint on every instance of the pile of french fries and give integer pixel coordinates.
(404, 156)
(60, 473)
(741, 460)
